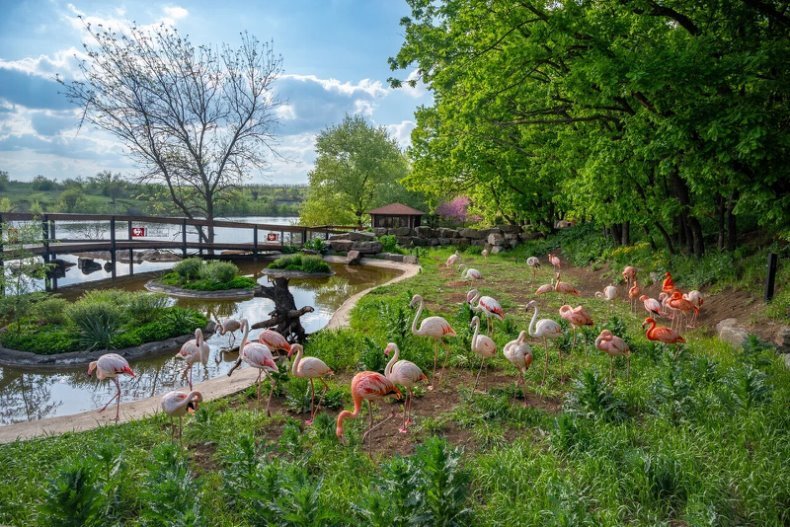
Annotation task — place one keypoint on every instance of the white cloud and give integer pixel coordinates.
(419, 89)
(363, 107)
(285, 112)
(295, 157)
(63, 61)
(370, 87)
(401, 132)
(175, 12)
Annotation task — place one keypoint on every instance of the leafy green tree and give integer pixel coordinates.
(44, 184)
(4, 180)
(111, 185)
(71, 200)
(359, 167)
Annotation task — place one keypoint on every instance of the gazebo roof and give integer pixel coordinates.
(396, 209)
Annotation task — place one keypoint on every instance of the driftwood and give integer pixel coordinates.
(285, 317)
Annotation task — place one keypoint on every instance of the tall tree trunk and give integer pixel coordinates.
(732, 231)
(720, 222)
(681, 231)
(617, 233)
(666, 236)
(650, 240)
(625, 238)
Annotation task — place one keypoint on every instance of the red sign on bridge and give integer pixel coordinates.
(271, 237)
(139, 232)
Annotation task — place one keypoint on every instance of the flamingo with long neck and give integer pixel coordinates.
(629, 275)
(519, 353)
(544, 328)
(486, 305)
(661, 333)
(482, 346)
(452, 259)
(109, 366)
(564, 287)
(469, 273)
(178, 404)
(405, 373)
(609, 293)
(310, 368)
(366, 386)
(274, 341)
(258, 356)
(435, 328)
(652, 306)
(577, 317)
(534, 263)
(555, 261)
(192, 351)
(614, 347)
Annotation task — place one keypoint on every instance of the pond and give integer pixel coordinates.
(27, 395)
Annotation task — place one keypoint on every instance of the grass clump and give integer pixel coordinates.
(198, 275)
(301, 262)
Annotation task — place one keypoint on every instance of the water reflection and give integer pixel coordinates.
(26, 395)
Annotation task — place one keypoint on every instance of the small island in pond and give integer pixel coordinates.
(299, 264)
(101, 319)
(195, 274)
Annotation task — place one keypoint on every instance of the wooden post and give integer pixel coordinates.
(304, 236)
(131, 250)
(45, 241)
(326, 233)
(255, 244)
(282, 239)
(184, 238)
(770, 282)
(113, 256)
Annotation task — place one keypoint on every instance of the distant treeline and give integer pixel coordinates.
(106, 193)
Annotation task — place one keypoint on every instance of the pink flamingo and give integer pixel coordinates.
(544, 328)
(663, 298)
(258, 356)
(681, 305)
(661, 333)
(487, 306)
(555, 261)
(274, 341)
(629, 275)
(178, 404)
(534, 263)
(614, 347)
(609, 293)
(482, 346)
(470, 274)
(545, 288)
(192, 351)
(484, 253)
(652, 306)
(230, 325)
(433, 327)
(668, 285)
(565, 287)
(405, 373)
(310, 368)
(633, 294)
(577, 317)
(367, 386)
(109, 366)
(519, 353)
(452, 259)
(695, 297)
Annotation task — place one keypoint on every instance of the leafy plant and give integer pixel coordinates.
(74, 497)
(301, 262)
(219, 272)
(441, 485)
(50, 309)
(592, 397)
(189, 268)
(372, 358)
(98, 322)
(145, 307)
(170, 495)
(389, 243)
(316, 244)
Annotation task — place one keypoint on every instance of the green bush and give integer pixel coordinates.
(49, 310)
(219, 272)
(301, 262)
(389, 243)
(144, 307)
(98, 322)
(74, 498)
(315, 244)
(188, 269)
(45, 340)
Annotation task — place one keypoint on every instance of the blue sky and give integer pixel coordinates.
(334, 60)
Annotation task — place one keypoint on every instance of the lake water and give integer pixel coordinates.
(29, 395)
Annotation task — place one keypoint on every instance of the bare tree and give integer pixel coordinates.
(195, 118)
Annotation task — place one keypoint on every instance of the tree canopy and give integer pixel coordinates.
(359, 167)
(196, 119)
(671, 117)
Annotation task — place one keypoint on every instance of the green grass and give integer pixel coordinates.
(199, 275)
(696, 437)
(301, 262)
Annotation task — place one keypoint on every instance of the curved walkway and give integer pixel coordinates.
(211, 389)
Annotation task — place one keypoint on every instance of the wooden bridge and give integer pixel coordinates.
(50, 243)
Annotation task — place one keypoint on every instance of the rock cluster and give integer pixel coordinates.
(495, 239)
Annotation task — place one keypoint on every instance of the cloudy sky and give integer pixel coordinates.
(334, 60)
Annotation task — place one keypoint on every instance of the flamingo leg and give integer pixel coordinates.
(312, 403)
(180, 430)
(546, 367)
(118, 399)
(172, 430)
(446, 357)
(411, 401)
(320, 399)
(258, 383)
(611, 367)
(435, 360)
(524, 387)
(628, 367)
(190, 378)
(103, 408)
(477, 380)
(269, 400)
(378, 425)
(559, 354)
(405, 428)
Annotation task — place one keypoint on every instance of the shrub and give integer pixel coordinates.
(315, 244)
(170, 494)
(592, 397)
(389, 243)
(98, 322)
(49, 310)
(301, 262)
(74, 497)
(46, 341)
(144, 307)
(219, 272)
(188, 269)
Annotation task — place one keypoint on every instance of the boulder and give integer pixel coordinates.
(421, 242)
(380, 231)
(401, 231)
(447, 233)
(782, 339)
(354, 236)
(510, 229)
(433, 242)
(341, 246)
(479, 242)
(472, 234)
(786, 357)
(367, 247)
(731, 332)
(410, 259)
(512, 243)
(497, 249)
(496, 239)
(88, 266)
(393, 257)
(405, 241)
(492, 230)
(425, 232)
(445, 241)
(353, 258)
(510, 236)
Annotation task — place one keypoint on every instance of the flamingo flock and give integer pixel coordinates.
(400, 374)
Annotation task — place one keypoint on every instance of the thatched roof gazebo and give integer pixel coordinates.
(396, 215)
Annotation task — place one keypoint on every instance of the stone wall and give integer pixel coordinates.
(496, 239)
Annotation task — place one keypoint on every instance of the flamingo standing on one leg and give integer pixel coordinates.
(310, 368)
(633, 294)
(433, 327)
(487, 306)
(534, 264)
(652, 306)
(519, 353)
(555, 261)
(614, 347)
(577, 317)
(452, 259)
(405, 373)
(482, 346)
(544, 328)
(258, 356)
(109, 366)
(192, 351)
(661, 333)
(366, 386)
(178, 404)
(274, 341)
(629, 275)
(469, 273)
(565, 287)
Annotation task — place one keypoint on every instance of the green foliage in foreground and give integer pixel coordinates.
(301, 262)
(100, 319)
(199, 275)
(698, 436)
